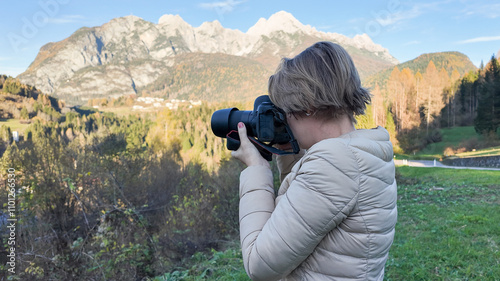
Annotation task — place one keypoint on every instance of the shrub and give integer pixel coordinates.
(413, 140)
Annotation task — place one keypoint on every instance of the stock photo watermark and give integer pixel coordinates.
(32, 25)
(11, 220)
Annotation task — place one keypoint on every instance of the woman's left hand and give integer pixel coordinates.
(247, 152)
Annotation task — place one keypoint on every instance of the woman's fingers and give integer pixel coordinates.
(242, 132)
(247, 153)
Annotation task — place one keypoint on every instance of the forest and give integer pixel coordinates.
(106, 197)
(422, 102)
(102, 197)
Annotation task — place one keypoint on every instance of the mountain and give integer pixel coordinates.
(129, 55)
(448, 60)
(200, 76)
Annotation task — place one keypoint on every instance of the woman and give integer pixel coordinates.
(335, 212)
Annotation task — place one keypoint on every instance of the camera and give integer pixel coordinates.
(266, 125)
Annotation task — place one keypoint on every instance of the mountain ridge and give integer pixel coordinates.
(129, 53)
(451, 60)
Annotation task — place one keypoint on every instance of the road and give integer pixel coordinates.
(435, 163)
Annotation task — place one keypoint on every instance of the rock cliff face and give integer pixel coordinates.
(128, 54)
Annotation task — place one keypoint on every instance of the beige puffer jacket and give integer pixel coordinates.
(334, 216)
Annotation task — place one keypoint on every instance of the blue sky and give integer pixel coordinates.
(406, 28)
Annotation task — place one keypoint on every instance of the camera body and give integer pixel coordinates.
(266, 122)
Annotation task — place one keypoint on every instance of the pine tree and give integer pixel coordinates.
(488, 111)
(25, 114)
(5, 134)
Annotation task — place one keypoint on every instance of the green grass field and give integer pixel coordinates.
(492, 151)
(455, 138)
(452, 137)
(448, 225)
(448, 229)
(14, 124)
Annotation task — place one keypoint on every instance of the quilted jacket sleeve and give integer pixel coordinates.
(322, 193)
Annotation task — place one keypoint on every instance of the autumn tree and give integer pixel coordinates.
(378, 107)
(433, 102)
(418, 90)
(395, 94)
(409, 116)
(402, 93)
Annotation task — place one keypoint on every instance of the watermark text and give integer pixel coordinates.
(11, 220)
(31, 25)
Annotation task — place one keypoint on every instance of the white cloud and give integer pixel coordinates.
(403, 14)
(224, 6)
(221, 7)
(399, 16)
(66, 19)
(489, 10)
(480, 39)
(415, 42)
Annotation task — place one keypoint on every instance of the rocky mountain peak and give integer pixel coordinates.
(280, 21)
(127, 22)
(174, 21)
(364, 41)
(211, 27)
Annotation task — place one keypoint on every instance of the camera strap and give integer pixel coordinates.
(267, 151)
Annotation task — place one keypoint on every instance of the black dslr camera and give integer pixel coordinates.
(266, 125)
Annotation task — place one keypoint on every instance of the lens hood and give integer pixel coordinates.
(220, 121)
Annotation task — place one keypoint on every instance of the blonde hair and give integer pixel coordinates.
(323, 80)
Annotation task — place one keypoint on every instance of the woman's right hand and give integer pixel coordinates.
(247, 152)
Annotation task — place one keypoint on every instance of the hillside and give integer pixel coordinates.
(448, 60)
(23, 102)
(128, 55)
(211, 77)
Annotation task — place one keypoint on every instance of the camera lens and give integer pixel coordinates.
(220, 121)
(226, 120)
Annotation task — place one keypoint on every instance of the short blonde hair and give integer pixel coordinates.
(323, 80)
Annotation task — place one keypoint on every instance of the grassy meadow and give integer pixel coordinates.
(14, 124)
(452, 137)
(448, 226)
(448, 229)
(492, 151)
(460, 142)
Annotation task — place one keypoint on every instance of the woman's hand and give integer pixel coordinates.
(247, 152)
